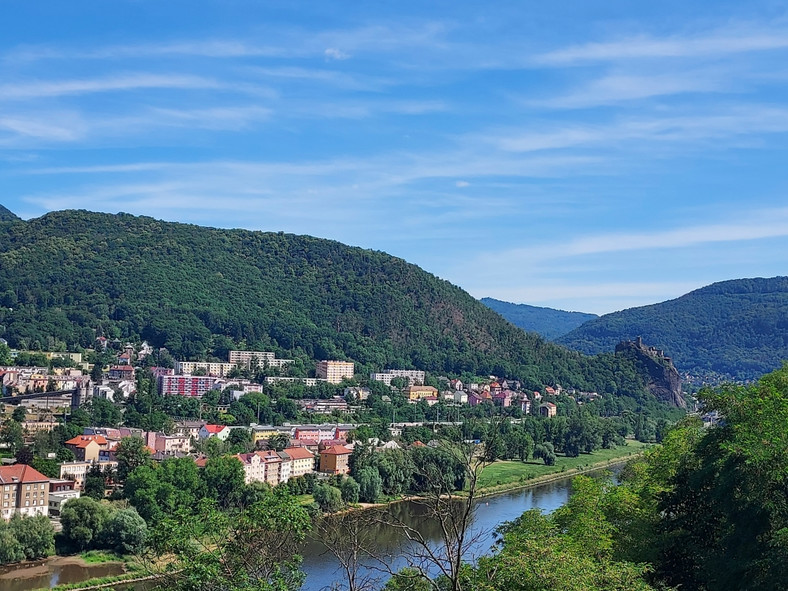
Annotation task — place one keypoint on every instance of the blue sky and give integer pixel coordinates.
(584, 155)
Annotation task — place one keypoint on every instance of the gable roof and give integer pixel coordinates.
(214, 428)
(20, 473)
(299, 453)
(84, 440)
(336, 450)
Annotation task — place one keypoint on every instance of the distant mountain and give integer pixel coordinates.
(200, 291)
(736, 328)
(6, 215)
(548, 322)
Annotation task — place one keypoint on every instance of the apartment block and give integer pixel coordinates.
(264, 358)
(414, 376)
(24, 490)
(335, 371)
(196, 386)
(217, 369)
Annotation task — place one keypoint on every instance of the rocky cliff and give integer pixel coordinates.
(664, 381)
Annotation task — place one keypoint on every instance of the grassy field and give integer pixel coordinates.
(509, 472)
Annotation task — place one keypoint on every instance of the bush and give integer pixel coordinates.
(350, 490)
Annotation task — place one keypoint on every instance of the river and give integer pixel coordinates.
(320, 565)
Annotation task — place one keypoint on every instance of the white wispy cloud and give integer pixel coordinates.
(717, 43)
(54, 88)
(333, 53)
(733, 122)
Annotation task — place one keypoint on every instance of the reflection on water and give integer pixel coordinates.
(47, 574)
(321, 566)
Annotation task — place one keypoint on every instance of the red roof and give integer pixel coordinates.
(121, 368)
(20, 473)
(418, 443)
(84, 440)
(214, 428)
(299, 453)
(336, 450)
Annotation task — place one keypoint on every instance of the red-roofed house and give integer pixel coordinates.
(25, 491)
(220, 431)
(121, 372)
(334, 460)
(548, 409)
(86, 448)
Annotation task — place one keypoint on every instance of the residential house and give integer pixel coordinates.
(548, 409)
(334, 460)
(254, 467)
(24, 490)
(86, 447)
(335, 371)
(285, 467)
(220, 431)
(121, 372)
(60, 492)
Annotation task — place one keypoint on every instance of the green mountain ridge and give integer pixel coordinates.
(737, 329)
(6, 215)
(201, 291)
(548, 322)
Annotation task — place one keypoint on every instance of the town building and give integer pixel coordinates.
(416, 393)
(302, 461)
(305, 381)
(548, 409)
(219, 431)
(415, 377)
(60, 492)
(194, 386)
(86, 448)
(215, 369)
(334, 460)
(264, 359)
(24, 490)
(121, 372)
(335, 371)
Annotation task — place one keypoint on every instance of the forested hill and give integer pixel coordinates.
(200, 291)
(547, 322)
(7, 215)
(737, 328)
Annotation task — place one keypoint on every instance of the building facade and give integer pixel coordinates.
(335, 371)
(24, 491)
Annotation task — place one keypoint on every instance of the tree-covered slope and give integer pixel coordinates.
(7, 215)
(548, 322)
(199, 291)
(738, 328)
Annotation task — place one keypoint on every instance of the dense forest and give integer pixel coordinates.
(69, 276)
(735, 329)
(547, 322)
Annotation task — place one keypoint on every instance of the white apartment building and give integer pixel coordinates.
(335, 371)
(244, 358)
(217, 369)
(415, 377)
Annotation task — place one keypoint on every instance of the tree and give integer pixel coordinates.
(97, 373)
(254, 549)
(370, 484)
(328, 498)
(35, 535)
(20, 414)
(224, 480)
(47, 467)
(349, 537)
(83, 520)
(439, 473)
(12, 435)
(545, 452)
(125, 532)
(95, 483)
(279, 441)
(350, 490)
(130, 453)
(103, 413)
(24, 455)
(240, 440)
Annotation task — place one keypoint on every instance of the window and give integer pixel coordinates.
(27, 503)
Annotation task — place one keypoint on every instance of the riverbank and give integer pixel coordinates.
(506, 475)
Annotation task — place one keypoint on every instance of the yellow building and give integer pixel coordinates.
(419, 392)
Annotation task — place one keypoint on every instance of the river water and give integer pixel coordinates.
(319, 564)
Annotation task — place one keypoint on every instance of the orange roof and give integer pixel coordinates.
(299, 453)
(418, 443)
(336, 450)
(84, 440)
(20, 473)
